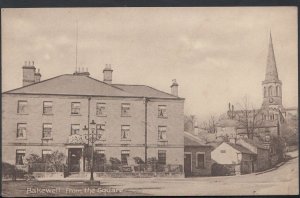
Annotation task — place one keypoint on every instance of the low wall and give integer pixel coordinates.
(48, 175)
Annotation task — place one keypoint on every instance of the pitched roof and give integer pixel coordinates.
(227, 123)
(191, 140)
(69, 84)
(240, 148)
(144, 91)
(271, 70)
(255, 142)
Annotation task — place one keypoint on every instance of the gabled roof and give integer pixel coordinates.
(144, 91)
(191, 140)
(83, 85)
(240, 148)
(69, 84)
(255, 142)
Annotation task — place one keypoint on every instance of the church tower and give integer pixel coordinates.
(272, 92)
(272, 85)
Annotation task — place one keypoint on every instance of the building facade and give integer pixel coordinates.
(133, 120)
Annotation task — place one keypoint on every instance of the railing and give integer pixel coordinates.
(170, 168)
(45, 167)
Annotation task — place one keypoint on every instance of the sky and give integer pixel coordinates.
(217, 55)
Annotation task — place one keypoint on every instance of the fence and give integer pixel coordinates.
(170, 168)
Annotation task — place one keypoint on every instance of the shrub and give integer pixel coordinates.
(138, 160)
(11, 171)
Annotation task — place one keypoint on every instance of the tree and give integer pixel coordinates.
(248, 118)
(56, 160)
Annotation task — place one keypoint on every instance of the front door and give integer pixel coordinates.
(187, 164)
(74, 156)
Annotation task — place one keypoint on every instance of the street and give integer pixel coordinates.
(280, 181)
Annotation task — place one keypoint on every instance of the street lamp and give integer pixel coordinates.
(92, 136)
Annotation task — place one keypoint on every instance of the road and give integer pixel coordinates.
(281, 181)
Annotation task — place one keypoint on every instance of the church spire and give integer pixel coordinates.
(271, 71)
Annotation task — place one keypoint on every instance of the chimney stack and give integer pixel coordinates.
(37, 76)
(107, 74)
(174, 88)
(28, 73)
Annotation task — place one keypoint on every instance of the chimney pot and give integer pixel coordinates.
(174, 88)
(107, 74)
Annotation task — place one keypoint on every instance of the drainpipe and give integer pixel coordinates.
(145, 102)
(88, 124)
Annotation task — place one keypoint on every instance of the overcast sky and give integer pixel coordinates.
(217, 55)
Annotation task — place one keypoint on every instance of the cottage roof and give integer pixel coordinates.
(255, 142)
(69, 84)
(240, 148)
(191, 140)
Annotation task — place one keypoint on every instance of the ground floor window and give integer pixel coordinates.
(100, 156)
(200, 160)
(46, 154)
(162, 157)
(20, 156)
(124, 157)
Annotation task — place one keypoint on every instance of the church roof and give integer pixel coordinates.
(82, 85)
(271, 70)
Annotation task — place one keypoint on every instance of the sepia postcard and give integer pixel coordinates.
(149, 101)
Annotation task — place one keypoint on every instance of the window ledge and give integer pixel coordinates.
(162, 117)
(76, 115)
(125, 115)
(101, 115)
(163, 140)
(47, 138)
(22, 113)
(21, 138)
(126, 140)
(48, 114)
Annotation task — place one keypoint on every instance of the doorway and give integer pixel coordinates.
(74, 156)
(187, 164)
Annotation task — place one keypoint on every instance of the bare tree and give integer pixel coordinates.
(248, 117)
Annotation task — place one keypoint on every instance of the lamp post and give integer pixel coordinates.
(92, 136)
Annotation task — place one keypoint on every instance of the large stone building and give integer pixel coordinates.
(133, 120)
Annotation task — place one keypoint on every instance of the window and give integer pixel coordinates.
(162, 133)
(47, 130)
(162, 111)
(100, 128)
(46, 154)
(162, 157)
(22, 106)
(125, 109)
(125, 132)
(47, 107)
(124, 157)
(20, 156)
(21, 131)
(75, 128)
(100, 109)
(75, 108)
(100, 156)
(265, 92)
(200, 160)
(270, 91)
(222, 151)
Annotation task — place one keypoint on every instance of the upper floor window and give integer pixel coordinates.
(22, 106)
(75, 128)
(162, 157)
(75, 108)
(100, 128)
(125, 132)
(21, 131)
(47, 107)
(162, 133)
(222, 151)
(20, 156)
(100, 109)
(47, 130)
(125, 109)
(200, 160)
(162, 111)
